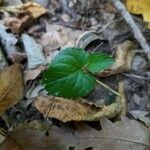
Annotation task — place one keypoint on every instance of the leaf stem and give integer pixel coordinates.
(107, 87)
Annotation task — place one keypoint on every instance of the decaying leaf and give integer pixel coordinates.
(33, 8)
(19, 23)
(140, 7)
(74, 110)
(34, 52)
(126, 134)
(1, 137)
(33, 73)
(141, 115)
(11, 86)
(9, 42)
(124, 55)
(58, 32)
(3, 62)
(25, 15)
(77, 110)
(29, 137)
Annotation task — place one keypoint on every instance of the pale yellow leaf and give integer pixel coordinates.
(140, 7)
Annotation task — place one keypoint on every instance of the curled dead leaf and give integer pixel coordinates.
(123, 60)
(11, 86)
(76, 110)
(25, 15)
(19, 23)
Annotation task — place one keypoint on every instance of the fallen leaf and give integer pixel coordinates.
(1, 138)
(19, 23)
(3, 62)
(78, 109)
(140, 7)
(123, 60)
(33, 73)
(125, 134)
(13, 2)
(25, 15)
(34, 52)
(30, 136)
(34, 91)
(34, 9)
(9, 42)
(11, 87)
(60, 32)
(141, 115)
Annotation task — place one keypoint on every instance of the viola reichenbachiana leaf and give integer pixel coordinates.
(67, 75)
(98, 62)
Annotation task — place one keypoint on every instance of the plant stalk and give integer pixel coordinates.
(107, 87)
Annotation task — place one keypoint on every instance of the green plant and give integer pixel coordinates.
(71, 72)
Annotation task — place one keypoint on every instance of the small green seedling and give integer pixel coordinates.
(71, 72)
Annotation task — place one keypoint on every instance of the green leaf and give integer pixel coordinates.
(98, 62)
(66, 77)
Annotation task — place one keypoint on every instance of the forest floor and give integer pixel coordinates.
(31, 35)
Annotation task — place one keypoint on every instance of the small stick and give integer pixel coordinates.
(136, 31)
(107, 87)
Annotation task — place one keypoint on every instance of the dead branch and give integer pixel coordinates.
(136, 31)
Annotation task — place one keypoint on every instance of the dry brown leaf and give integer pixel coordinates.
(18, 24)
(29, 137)
(34, 9)
(123, 135)
(76, 110)
(25, 15)
(123, 60)
(11, 86)
(33, 73)
(59, 32)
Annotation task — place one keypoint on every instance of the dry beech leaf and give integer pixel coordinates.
(11, 86)
(79, 109)
(140, 7)
(123, 135)
(123, 60)
(25, 15)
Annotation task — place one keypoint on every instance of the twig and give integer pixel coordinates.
(136, 31)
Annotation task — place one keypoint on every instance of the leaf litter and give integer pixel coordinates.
(63, 25)
(123, 134)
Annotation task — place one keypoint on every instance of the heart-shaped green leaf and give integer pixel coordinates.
(98, 62)
(68, 74)
(66, 77)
